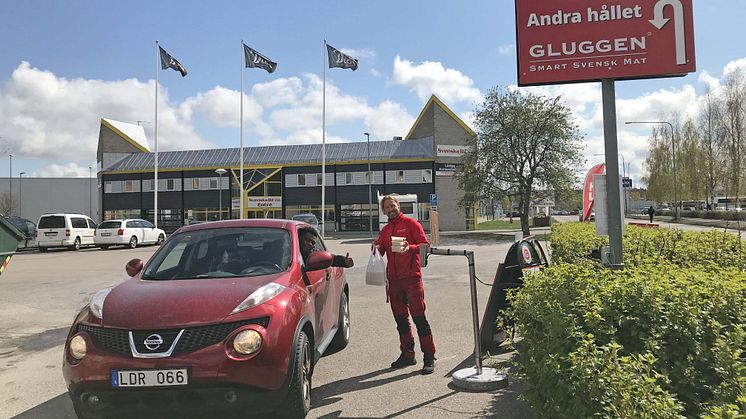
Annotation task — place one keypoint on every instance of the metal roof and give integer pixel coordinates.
(134, 132)
(280, 155)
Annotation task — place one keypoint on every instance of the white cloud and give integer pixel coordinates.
(363, 53)
(739, 64)
(71, 169)
(375, 73)
(45, 116)
(507, 49)
(431, 77)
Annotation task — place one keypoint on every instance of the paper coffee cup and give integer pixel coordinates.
(397, 244)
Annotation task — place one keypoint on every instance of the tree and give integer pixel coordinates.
(708, 134)
(732, 119)
(6, 204)
(524, 142)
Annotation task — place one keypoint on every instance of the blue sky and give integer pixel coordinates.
(64, 65)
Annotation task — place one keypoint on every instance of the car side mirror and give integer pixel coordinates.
(133, 267)
(319, 260)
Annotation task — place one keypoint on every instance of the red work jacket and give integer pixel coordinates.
(403, 266)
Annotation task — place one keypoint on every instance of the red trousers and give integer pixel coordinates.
(408, 297)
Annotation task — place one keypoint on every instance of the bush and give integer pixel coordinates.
(712, 250)
(657, 341)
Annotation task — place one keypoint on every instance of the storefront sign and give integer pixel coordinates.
(447, 169)
(565, 41)
(265, 202)
(451, 150)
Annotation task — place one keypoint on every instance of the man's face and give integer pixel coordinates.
(391, 208)
(307, 243)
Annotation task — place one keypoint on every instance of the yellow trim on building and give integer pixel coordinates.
(434, 99)
(246, 191)
(124, 136)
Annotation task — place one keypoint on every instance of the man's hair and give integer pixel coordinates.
(305, 231)
(391, 197)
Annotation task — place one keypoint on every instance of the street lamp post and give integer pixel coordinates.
(89, 193)
(673, 151)
(10, 184)
(220, 173)
(370, 175)
(20, 194)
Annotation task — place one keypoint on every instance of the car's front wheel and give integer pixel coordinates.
(160, 240)
(298, 401)
(133, 242)
(342, 337)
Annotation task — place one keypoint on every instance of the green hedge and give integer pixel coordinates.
(575, 242)
(663, 338)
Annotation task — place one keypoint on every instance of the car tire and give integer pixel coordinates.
(133, 242)
(104, 246)
(342, 337)
(43, 249)
(160, 239)
(298, 401)
(76, 244)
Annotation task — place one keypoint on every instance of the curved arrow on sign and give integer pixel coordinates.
(678, 19)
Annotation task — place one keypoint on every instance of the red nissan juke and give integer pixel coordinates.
(224, 316)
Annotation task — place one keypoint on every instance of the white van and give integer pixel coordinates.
(407, 205)
(64, 230)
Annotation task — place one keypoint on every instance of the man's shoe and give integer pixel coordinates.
(429, 365)
(402, 362)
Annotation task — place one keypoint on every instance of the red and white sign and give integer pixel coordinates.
(589, 196)
(451, 150)
(265, 202)
(563, 41)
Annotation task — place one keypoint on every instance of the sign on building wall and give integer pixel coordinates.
(447, 169)
(585, 40)
(265, 202)
(451, 150)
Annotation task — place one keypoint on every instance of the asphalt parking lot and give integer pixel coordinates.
(40, 294)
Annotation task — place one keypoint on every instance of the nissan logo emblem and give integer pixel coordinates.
(153, 342)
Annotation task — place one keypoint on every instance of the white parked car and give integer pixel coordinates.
(128, 233)
(64, 230)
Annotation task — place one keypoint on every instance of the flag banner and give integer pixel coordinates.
(167, 61)
(339, 59)
(589, 197)
(256, 60)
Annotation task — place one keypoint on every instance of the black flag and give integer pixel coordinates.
(339, 59)
(256, 60)
(167, 61)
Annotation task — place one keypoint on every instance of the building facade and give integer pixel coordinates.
(282, 181)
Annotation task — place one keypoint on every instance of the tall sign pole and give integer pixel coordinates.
(572, 41)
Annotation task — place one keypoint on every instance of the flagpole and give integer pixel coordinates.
(241, 217)
(155, 182)
(323, 146)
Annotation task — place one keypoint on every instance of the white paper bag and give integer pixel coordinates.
(376, 272)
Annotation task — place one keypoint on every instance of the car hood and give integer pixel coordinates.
(139, 304)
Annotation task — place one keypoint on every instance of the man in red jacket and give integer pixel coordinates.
(404, 283)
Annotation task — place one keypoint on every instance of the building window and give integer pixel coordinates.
(318, 179)
(213, 183)
(195, 183)
(400, 176)
(170, 184)
(427, 176)
(348, 178)
(301, 180)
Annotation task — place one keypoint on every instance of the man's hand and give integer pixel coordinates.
(405, 246)
(349, 263)
(374, 244)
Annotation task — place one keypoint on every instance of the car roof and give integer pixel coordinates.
(252, 222)
(62, 214)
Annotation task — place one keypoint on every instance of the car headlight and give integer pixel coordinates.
(97, 302)
(259, 296)
(247, 342)
(77, 347)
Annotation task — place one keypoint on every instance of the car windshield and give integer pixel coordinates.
(52, 221)
(109, 224)
(221, 253)
(309, 218)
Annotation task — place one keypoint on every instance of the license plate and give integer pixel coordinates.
(149, 378)
(48, 234)
(105, 234)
